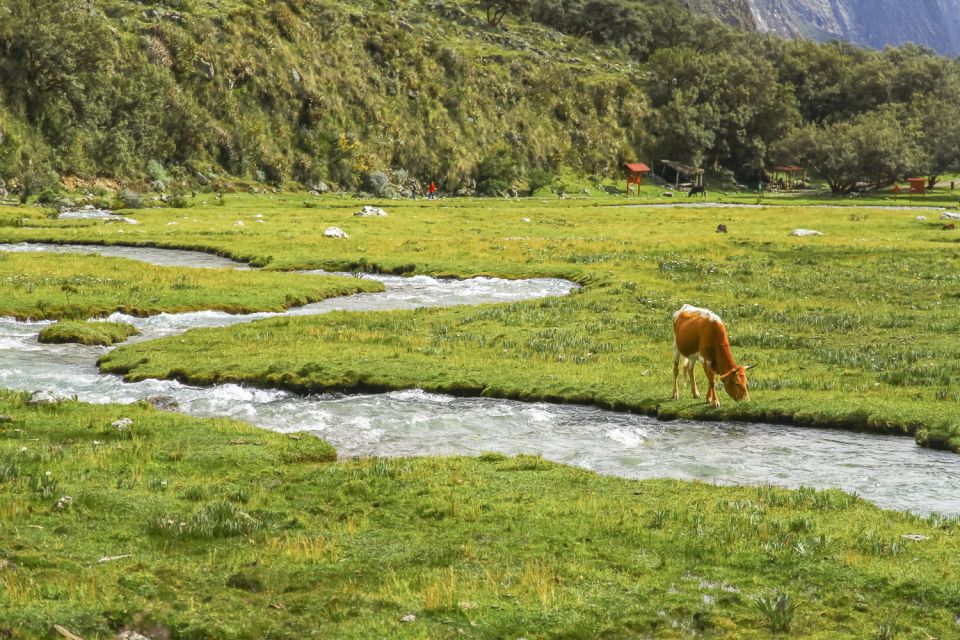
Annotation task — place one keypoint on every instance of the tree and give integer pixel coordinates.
(935, 121)
(497, 9)
(872, 150)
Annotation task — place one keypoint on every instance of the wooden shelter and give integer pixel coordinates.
(635, 172)
(918, 186)
(785, 176)
(680, 175)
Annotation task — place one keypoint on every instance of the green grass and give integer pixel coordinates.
(37, 287)
(853, 329)
(214, 529)
(88, 333)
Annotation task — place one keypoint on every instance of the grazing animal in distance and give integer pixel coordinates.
(950, 226)
(702, 190)
(699, 334)
(721, 228)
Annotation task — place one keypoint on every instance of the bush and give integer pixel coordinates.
(130, 199)
(496, 172)
(539, 179)
(377, 183)
(157, 172)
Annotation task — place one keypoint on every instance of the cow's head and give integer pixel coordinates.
(735, 382)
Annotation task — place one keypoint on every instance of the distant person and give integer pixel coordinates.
(432, 191)
(951, 186)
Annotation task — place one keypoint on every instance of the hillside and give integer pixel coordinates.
(874, 23)
(304, 90)
(374, 96)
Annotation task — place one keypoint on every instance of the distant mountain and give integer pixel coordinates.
(874, 23)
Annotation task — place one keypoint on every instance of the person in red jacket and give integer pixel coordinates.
(432, 191)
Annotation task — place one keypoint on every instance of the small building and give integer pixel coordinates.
(788, 176)
(918, 186)
(680, 175)
(635, 173)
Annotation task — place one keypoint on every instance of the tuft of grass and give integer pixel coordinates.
(87, 333)
(777, 609)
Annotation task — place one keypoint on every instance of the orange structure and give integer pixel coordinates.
(635, 171)
(918, 186)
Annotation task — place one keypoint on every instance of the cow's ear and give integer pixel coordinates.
(748, 367)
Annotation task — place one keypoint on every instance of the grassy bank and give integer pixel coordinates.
(850, 329)
(285, 542)
(38, 287)
(88, 333)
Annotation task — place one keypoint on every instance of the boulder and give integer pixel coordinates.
(946, 215)
(43, 397)
(805, 232)
(123, 424)
(335, 232)
(370, 211)
(921, 218)
(163, 403)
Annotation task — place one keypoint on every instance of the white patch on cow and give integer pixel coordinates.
(703, 313)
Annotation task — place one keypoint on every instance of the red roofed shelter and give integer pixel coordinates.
(918, 186)
(635, 171)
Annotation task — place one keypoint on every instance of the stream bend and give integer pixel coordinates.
(890, 471)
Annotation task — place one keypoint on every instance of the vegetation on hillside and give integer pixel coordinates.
(375, 96)
(182, 528)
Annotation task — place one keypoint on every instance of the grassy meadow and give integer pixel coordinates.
(852, 329)
(187, 528)
(53, 286)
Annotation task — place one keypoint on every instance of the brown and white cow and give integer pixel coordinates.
(699, 334)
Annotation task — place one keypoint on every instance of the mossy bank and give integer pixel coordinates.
(186, 528)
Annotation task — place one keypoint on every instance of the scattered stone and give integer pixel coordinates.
(42, 397)
(320, 187)
(295, 75)
(408, 618)
(238, 223)
(202, 179)
(130, 634)
(524, 219)
(370, 211)
(721, 228)
(667, 194)
(6, 418)
(916, 537)
(946, 215)
(121, 425)
(163, 403)
(805, 232)
(466, 606)
(921, 218)
(335, 232)
(62, 503)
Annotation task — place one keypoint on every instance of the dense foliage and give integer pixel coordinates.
(320, 91)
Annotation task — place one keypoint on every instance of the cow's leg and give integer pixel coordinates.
(676, 373)
(691, 370)
(712, 397)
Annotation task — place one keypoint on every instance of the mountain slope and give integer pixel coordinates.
(874, 23)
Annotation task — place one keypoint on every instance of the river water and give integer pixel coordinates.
(890, 471)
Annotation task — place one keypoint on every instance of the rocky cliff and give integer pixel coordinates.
(874, 23)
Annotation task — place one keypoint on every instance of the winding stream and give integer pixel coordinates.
(890, 471)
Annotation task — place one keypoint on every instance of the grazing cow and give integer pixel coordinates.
(702, 190)
(949, 226)
(721, 228)
(700, 334)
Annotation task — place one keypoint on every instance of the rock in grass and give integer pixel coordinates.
(805, 232)
(408, 618)
(87, 333)
(335, 232)
(6, 418)
(369, 211)
(130, 634)
(946, 215)
(163, 403)
(43, 397)
(121, 425)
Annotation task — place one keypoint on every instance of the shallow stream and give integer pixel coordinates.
(890, 471)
